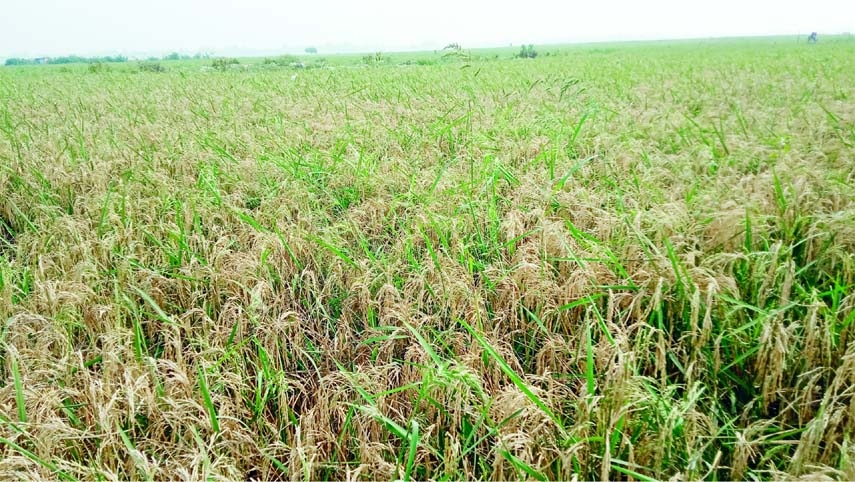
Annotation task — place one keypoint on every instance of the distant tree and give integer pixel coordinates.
(527, 52)
(282, 61)
(454, 50)
(18, 61)
(151, 67)
(311, 50)
(68, 59)
(98, 67)
(377, 58)
(172, 56)
(222, 64)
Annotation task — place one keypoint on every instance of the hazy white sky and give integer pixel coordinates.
(89, 27)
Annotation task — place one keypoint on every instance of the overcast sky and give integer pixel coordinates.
(89, 27)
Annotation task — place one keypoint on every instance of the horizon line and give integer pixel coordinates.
(256, 52)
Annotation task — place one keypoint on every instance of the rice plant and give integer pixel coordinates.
(623, 262)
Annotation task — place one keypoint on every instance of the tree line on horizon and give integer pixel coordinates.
(77, 59)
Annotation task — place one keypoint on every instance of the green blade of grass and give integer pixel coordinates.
(44, 463)
(414, 444)
(209, 404)
(579, 165)
(390, 424)
(340, 253)
(520, 465)
(516, 379)
(158, 311)
(132, 450)
(581, 302)
(630, 472)
(590, 377)
(19, 391)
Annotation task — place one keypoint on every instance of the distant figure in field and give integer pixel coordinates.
(812, 38)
